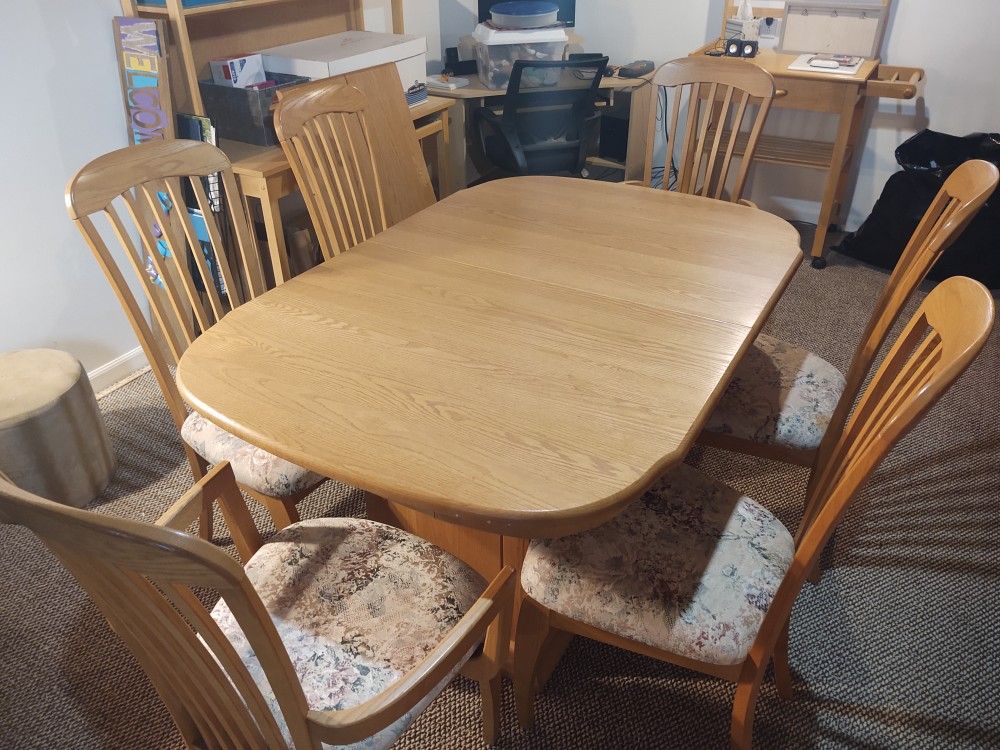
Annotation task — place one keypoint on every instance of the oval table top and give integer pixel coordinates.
(524, 356)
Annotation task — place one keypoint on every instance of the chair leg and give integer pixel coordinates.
(741, 728)
(532, 631)
(199, 466)
(782, 670)
(283, 510)
(496, 649)
(489, 693)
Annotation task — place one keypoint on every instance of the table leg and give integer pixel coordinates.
(269, 203)
(852, 101)
(853, 145)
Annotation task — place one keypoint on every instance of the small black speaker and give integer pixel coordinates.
(734, 48)
(749, 48)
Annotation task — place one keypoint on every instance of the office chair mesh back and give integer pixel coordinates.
(548, 119)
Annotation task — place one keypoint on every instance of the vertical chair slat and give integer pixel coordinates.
(178, 254)
(154, 295)
(320, 165)
(336, 161)
(149, 241)
(233, 290)
(247, 244)
(371, 160)
(734, 134)
(351, 169)
(207, 280)
(684, 179)
(723, 112)
(671, 137)
(191, 608)
(708, 107)
(755, 131)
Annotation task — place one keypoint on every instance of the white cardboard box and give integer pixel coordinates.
(239, 71)
(348, 51)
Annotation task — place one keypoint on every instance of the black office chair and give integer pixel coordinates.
(548, 122)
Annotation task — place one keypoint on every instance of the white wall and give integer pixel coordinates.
(62, 107)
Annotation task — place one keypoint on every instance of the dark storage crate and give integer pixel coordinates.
(245, 114)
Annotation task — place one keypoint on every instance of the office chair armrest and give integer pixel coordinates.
(485, 115)
(219, 484)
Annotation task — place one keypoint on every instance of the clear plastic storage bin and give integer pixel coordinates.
(497, 50)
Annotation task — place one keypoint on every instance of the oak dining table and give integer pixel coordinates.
(518, 360)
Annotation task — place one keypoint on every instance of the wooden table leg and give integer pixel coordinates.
(853, 145)
(852, 101)
(269, 203)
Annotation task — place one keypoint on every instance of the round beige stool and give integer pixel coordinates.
(52, 438)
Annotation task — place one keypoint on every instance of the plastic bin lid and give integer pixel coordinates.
(488, 35)
(524, 8)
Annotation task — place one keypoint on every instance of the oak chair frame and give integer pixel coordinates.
(136, 177)
(955, 205)
(325, 137)
(719, 94)
(144, 578)
(938, 344)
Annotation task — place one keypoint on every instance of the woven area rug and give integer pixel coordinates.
(897, 647)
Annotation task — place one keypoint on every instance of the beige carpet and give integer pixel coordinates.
(898, 647)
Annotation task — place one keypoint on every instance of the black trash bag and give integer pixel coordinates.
(927, 159)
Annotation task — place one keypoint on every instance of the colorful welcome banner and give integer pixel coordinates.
(142, 61)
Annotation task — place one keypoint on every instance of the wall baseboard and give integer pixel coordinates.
(105, 376)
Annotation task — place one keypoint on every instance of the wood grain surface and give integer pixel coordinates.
(523, 357)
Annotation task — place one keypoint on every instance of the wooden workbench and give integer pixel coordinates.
(844, 96)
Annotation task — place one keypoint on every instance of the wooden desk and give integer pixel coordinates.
(524, 357)
(263, 173)
(841, 95)
(476, 95)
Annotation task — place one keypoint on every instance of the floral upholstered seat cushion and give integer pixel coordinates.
(357, 604)
(254, 467)
(690, 568)
(779, 394)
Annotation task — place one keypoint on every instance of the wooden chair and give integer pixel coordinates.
(138, 190)
(722, 97)
(325, 137)
(786, 403)
(291, 656)
(696, 574)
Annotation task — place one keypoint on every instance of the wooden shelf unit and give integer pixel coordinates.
(772, 149)
(198, 34)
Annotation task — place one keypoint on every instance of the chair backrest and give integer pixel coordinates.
(550, 105)
(727, 105)
(325, 136)
(144, 581)
(934, 349)
(956, 204)
(193, 268)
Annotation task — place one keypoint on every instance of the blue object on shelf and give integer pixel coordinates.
(185, 3)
